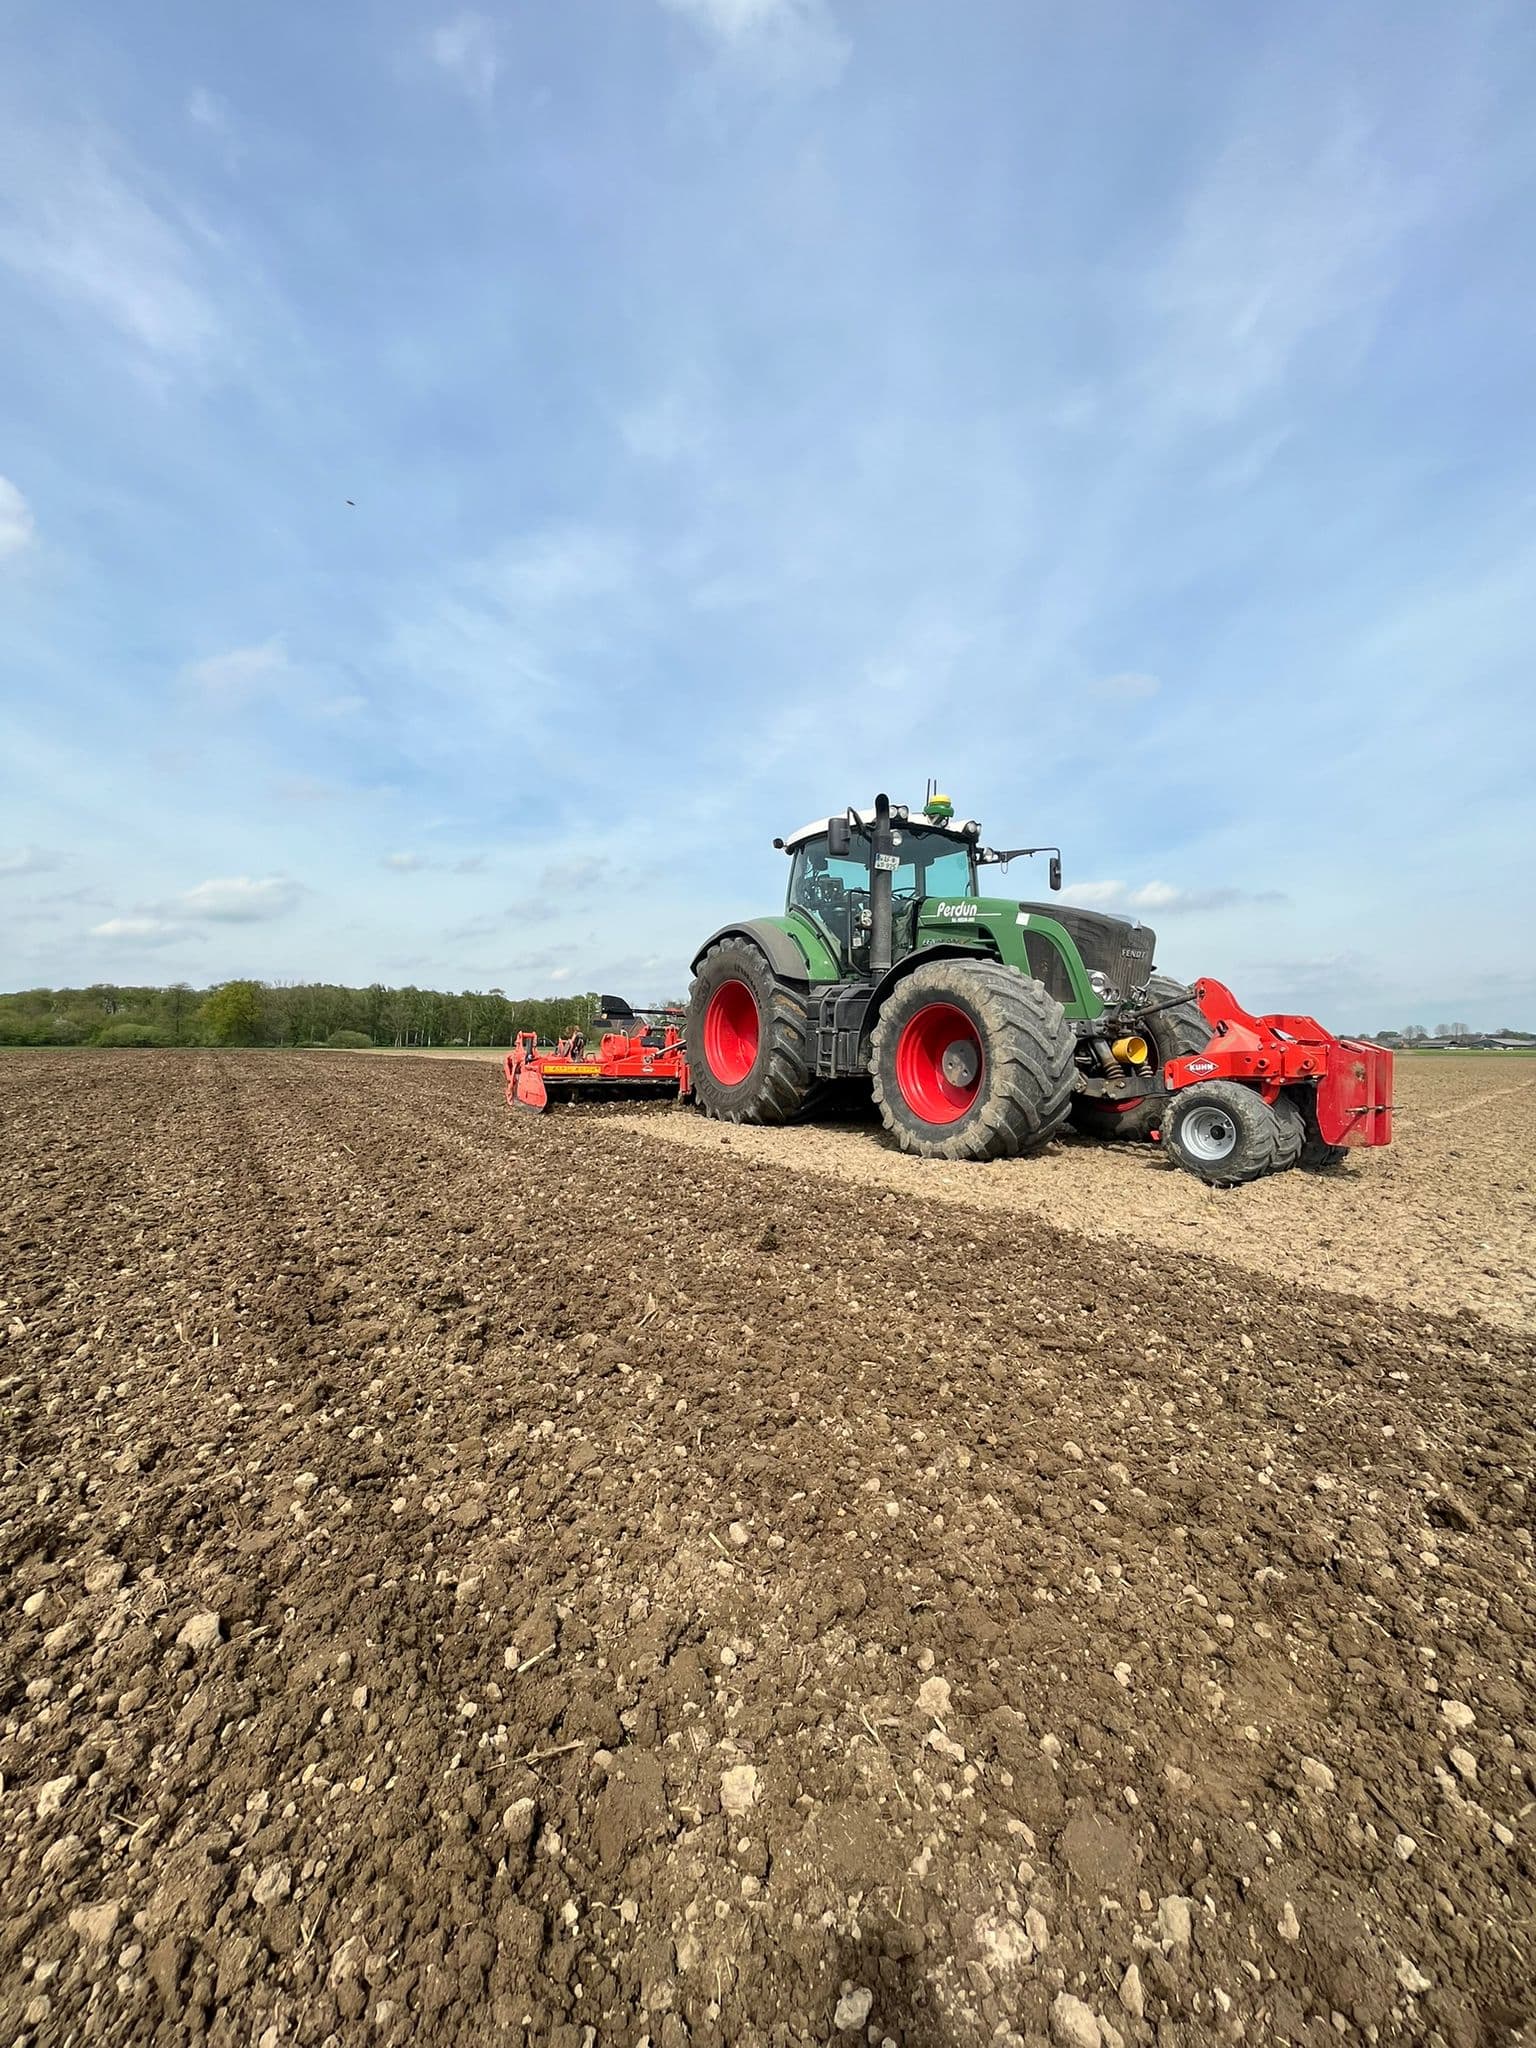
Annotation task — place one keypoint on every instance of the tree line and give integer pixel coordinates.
(282, 1013)
(1453, 1034)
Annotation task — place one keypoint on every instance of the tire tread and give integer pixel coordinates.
(787, 1076)
(1268, 1143)
(1032, 1095)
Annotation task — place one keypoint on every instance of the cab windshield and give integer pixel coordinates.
(931, 864)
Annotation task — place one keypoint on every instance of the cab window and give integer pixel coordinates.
(939, 868)
(931, 864)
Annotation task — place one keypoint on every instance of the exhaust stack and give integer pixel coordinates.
(882, 864)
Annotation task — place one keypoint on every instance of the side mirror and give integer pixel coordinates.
(1055, 870)
(839, 838)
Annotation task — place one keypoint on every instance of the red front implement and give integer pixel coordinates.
(1352, 1077)
(650, 1057)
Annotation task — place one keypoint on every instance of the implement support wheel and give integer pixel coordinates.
(1227, 1134)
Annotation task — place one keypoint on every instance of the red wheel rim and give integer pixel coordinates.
(939, 1063)
(731, 1033)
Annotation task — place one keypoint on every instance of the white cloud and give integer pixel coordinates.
(1128, 688)
(17, 530)
(241, 899)
(141, 931)
(1165, 897)
(405, 863)
(27, 860)
(465, 48)
(780, 42)
(88, 232)
(235, 672)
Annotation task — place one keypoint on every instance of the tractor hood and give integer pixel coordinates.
(1118, 948)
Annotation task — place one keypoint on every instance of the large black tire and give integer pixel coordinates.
(1317, 1155)
(972, 1061)
(1227, 1134)
(1171, 1034)
(757, 1031)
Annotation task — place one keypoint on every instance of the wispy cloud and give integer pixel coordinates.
(143, 931)
(1288, 238)
(83, 227)
(1127, 688)
(779, 42)
(578, 876)
(17, 528)
(669, 427)
(405, 863)
(560, 567)
(240, 669)
(27, 860)
(206, 110)
(242, 899)
(211, 117)
(466, 50)
(1164, 898)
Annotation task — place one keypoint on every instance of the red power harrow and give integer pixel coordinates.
(649, 1056)
(1347, 1081)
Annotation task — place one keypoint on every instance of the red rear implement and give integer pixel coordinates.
(648, 1057)
(1352, 1078)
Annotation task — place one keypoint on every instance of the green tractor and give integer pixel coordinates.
(984, 1024)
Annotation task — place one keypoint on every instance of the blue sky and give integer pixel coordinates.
(1122, 413)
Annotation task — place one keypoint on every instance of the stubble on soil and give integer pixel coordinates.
(477, 1578)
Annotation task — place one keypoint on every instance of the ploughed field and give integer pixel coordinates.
(471, 1578)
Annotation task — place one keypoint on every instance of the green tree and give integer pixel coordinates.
(178, 1005)
(232, 1012)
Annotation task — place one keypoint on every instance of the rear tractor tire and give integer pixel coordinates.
(748, 1037)
(972, 1061)
(1227, 1134)
(1172, 1034)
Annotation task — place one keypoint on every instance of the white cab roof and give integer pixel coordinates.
(949, 826)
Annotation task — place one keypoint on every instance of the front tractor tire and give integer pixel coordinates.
(972, 1061)
(1227, 1134)
(1172, 1033)
(748, 1037)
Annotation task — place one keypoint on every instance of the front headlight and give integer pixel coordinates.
(1098, 981)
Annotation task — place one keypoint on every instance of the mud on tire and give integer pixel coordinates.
(749, 1038)
(1172, 1034)
(972, 1061)
(1227, 1134)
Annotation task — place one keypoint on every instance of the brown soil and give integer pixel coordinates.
(1442, 1219)
(471, 1578)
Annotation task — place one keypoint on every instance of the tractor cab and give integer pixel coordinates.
(832, 865)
